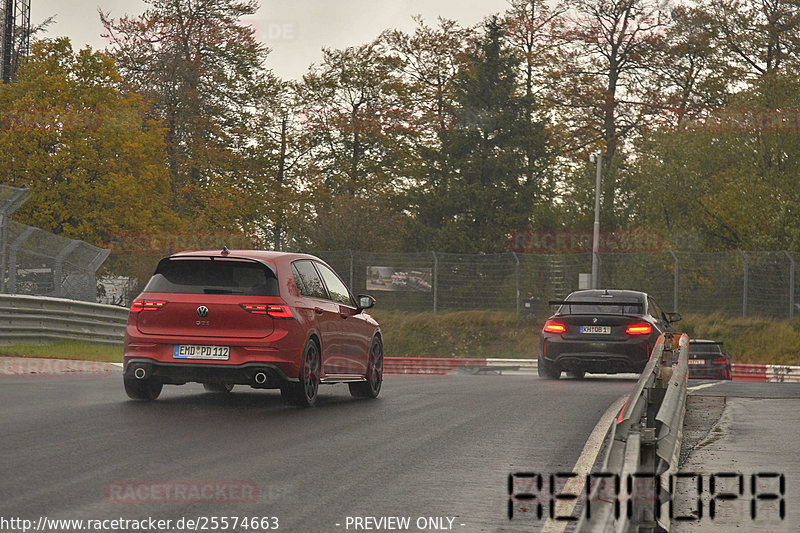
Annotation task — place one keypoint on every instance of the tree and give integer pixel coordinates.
(87, 150)
(487, 192)
(203, 72)
(604, 95)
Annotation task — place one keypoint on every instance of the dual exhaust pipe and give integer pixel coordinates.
(141, 373)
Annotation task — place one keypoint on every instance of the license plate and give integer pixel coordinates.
(697, 361)
(602, 330)
(192, 351)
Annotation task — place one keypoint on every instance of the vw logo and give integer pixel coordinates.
(202, 311)
(593, 320)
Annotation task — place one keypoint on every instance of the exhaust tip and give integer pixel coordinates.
(260, 378)
(140, 373)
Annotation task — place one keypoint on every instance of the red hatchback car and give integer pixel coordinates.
(241, 317)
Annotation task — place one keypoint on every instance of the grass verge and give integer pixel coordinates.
(499, 334)
(84, 351)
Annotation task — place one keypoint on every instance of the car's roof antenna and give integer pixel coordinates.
(225, 250)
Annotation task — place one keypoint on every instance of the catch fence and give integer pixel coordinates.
(736, 283)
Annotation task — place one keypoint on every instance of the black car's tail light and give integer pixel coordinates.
(551, 326)
(275, 311)
(147, 305)
(639, 328)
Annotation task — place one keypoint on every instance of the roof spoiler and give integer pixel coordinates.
(587, 302)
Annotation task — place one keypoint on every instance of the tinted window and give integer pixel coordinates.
(336, 288)
(605, 306)
(654, 310)
(308, 281)
(192, 276)
(704, 348)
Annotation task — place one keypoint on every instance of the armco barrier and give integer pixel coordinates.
(645, 443)
(427, 365)
(38, 319)
(743, 372)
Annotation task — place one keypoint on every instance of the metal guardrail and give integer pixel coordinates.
(37, 319)
(645, 444)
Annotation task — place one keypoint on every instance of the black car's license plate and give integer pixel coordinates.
(596, 330)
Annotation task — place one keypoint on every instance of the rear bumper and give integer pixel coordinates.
(598, 358)
(709, 372)
(255, 374)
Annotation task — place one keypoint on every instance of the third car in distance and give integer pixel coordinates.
(601, 331)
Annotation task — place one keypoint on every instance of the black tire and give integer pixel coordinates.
(547, 370)
(304, 393)
(372, 387)
(218, 387)
(576, 374)
(142, 389)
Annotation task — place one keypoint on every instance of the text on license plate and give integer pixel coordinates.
(602, 330)
(697, 361)
(191, 351)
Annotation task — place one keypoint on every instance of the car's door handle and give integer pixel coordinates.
(318, 310)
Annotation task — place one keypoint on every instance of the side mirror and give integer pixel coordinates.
(365, 301)
(673, 317)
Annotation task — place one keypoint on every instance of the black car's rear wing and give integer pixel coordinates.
(636, 303)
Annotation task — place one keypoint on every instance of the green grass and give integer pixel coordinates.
(85, 351)
(500, 334)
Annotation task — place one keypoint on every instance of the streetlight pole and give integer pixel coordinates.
(597, 157)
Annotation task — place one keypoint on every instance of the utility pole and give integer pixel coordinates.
(598, 158)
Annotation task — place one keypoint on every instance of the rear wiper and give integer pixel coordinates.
(222, 291)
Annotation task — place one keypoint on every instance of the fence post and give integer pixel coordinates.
(435, 281)
(516, 279)
(791, 284)
(675, 281)
(744, 289)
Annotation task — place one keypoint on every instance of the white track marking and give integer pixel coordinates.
(583, 467)
(703, 386)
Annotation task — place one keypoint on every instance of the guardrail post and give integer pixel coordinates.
(516, 279)
(435, 281)
(675, 281)
(791, 284)
(744, 288)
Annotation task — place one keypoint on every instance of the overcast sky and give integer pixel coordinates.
(295, 30)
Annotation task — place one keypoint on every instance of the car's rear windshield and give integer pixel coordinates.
(192, 276)
(602, 307)
(704, 348)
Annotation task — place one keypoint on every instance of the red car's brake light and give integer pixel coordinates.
(551, 326)
(147, 305)
(720, 359)
(640, 328)
(275, 311)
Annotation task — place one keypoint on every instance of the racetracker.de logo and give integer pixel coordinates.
(180, 492)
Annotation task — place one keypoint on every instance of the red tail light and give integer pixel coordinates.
(721, 360)
(147, 305)
(275, 311)
(640, 328)
(551, 326)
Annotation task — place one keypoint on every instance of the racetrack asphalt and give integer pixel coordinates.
(430, 447)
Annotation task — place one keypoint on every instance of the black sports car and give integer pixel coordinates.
(603, 332)
(707, 360)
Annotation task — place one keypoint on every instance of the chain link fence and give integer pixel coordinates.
(735, 283)
(36, 262)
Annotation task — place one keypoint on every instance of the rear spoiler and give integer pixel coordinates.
(586, 302)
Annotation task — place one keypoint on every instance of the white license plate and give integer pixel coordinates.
(697, 361)
(601, 330)
(192, 351)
